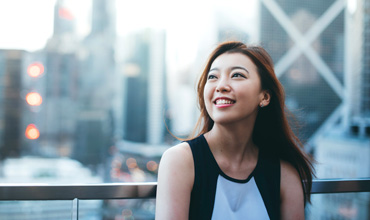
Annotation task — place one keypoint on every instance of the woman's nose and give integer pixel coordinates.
(223, 85)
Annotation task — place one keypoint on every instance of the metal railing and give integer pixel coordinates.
(143, 190)
(106, 191)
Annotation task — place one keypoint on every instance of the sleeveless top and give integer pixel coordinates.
(218, 196)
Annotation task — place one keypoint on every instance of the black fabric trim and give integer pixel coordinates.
(268, 182)
(205, 181)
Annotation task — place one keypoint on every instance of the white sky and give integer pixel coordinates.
(168, 13)
(25, 24)
(28, 24)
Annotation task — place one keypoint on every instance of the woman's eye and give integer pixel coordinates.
(211, 77)
(238, 75)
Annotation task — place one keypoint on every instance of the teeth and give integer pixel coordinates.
(223, 101)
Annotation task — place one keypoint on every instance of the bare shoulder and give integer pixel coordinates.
(178, 150)
(290, 179)
(178, 155)
(288, 172)
(291, 192)
(175, 182)
(177, 163)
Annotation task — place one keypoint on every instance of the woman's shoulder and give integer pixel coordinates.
(291, 191)
(291, 188)
(289, 173)
(179, 150)
(175, 182)
(183, 150)
(178, 157)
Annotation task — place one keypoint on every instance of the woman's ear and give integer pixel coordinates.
(265, 98)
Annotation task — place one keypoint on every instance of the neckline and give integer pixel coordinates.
(213, 159)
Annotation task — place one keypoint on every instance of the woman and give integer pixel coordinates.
(245, 163)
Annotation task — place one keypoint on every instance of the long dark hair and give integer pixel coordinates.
(272, 131)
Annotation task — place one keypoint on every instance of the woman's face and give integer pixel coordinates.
(233, 91)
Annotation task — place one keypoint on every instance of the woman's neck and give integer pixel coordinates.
(233, 142)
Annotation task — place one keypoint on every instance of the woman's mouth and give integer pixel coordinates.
(221, 102)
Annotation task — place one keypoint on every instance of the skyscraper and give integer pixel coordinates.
(365, 108)
(60, 82)
(11, 69)
(320, 50)
(359, 113)
(142, 65)
(95, 122)
(306, 42)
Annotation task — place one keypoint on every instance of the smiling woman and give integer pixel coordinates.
(245, 163)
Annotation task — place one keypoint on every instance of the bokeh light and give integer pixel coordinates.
(35, 69)
(152, 166)
(34, 99)
(131, 163)
(32, 132)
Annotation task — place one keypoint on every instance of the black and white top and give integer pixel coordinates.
(218, 196)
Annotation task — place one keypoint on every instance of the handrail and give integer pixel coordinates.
(143, 190)
(320, 186)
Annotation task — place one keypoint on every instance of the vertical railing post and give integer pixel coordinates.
(75, 209)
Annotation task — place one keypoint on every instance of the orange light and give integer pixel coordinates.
(65, 14)
(32, 132)
(131, 163)
(35, 69)
(152, 166)
(34, 99)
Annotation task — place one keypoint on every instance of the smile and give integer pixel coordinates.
(224, 102)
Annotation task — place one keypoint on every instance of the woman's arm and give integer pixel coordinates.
(175, 182)
(291, 191)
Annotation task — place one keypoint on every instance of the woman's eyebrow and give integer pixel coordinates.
(232, 68)
(239, 67)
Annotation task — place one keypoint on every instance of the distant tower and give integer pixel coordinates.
(344, 150)
(144, 88)
(359, 80)
(95, 123)
(306, 42)
(320, 51)
(11, 71)
(365, 104)
(63, 19)
(103, 17)
(60, 82)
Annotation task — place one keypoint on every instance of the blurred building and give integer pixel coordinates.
(344, 151)
(59, 108)
(96, 91)
(11, 102)
(306, 42)
(354, 127)
(321, 55)
(142, 72)
(144, 98)
(359, 81)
